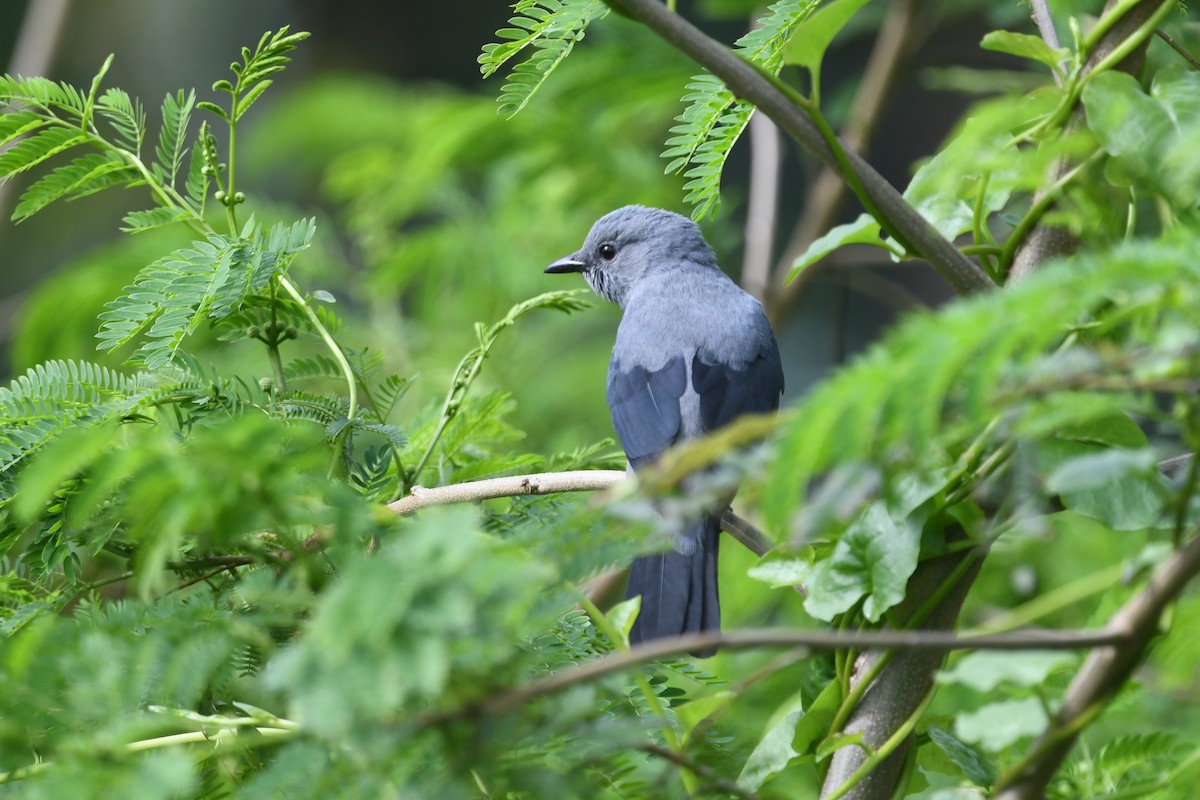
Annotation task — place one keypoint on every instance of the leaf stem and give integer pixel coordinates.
(338, 355)
(881, 753)
(655, 703)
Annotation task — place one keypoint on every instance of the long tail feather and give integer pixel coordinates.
(679, 592)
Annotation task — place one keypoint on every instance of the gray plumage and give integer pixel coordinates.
(693, 352)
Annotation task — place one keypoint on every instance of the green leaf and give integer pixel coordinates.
(1094, 470)
(81, 177)
(779, 569)
(622, 616)
(944, 188)
(1024, 45)
(864, 230)
(807, 45)
(974, 764)
(34, 150)
(714, 119)
(985, 670)
(998, 725)
(140, 221)
(693, 712)
(172, 138)
(873, 559)
(1151, 138)
(126, 116)
(774, 751)
(1120, 488)
(18, 123)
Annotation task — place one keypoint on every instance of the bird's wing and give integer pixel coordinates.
(730, 390)
(645, 407)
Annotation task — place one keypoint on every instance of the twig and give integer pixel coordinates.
(746, 81)
(700, 770)
(1045, 26)
(761, 206)
(1102, 673)
(936, 641)
(1178, 48)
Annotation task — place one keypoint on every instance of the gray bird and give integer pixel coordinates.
(693, 352)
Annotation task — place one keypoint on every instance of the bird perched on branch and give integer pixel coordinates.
(693, 352)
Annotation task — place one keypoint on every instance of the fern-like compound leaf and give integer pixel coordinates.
(41, 93)
(550, 29)
(126, 116)
(83, 176)
(207, 280)
(714, 119)
(30, 152)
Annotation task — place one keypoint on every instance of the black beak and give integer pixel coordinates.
(568, 264)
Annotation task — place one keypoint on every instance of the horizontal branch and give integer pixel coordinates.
(1032, 639)
(584, 480)
(551, 483)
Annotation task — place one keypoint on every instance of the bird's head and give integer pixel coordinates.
(626, 245)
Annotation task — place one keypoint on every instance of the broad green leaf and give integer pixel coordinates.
(814, 725)
(774, 751)
(1024, 45)
(807, 45)
(778, 569)
(1094, 470)
(998, 725)
(864, 230)
(623, 614)
(974, 764)
(984, 670)
(1133, 496)
(694, 712)
(944, 188)
(873, 559)
(1151, 137)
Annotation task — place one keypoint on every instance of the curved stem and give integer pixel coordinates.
(338, 355)
(883, 751)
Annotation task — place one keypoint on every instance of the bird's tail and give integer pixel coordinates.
(679, 591)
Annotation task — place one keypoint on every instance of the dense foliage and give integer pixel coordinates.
(204, 595)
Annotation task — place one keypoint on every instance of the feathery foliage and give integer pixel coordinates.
(549, 29)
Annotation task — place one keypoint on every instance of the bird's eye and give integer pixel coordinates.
(608, 251)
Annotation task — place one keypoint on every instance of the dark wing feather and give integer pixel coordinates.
(727, 392)
(645, 407)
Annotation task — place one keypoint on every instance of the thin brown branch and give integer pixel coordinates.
(933, 641)
(747, 82)
(699, 770)
(1178, 48)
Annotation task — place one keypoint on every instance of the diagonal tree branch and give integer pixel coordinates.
(748, 83)
(1102, 674)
